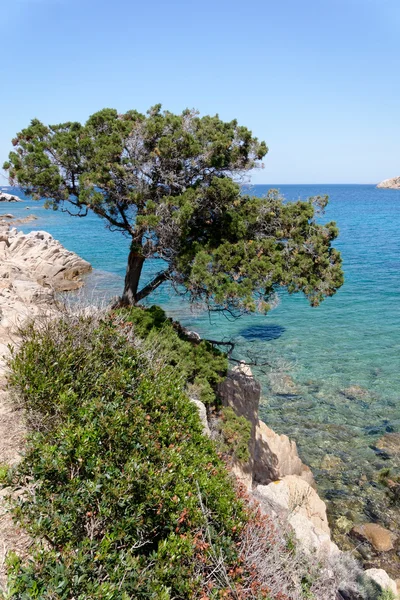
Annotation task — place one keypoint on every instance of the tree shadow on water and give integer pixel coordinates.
(263, 332)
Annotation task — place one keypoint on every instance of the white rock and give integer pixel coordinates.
(311, 538)
(203, 415)
(295, 500)
(276, 456)
(382, 579)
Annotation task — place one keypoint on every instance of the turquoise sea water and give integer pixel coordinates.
(316, 354)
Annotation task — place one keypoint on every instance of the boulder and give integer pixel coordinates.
(276, 456)
(32, 267)
(382, 579)
(390, 443)
(311, 538)
(8, 197)
(296, 496)
(381, 539)
(393, 183)
(293, 500)
(330, 462)
(355, 392)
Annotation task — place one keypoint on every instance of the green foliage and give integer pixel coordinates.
(129, 498)
(387, 595)
(200, 366)
(236, 433)
(4, 469)
(168, 181)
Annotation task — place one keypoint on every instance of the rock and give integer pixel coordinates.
(203, 415)
(390, 443)
(381, 539)
(282, 384)
(276, 456)
(393, 183)
(242, 393)
(8, 197)
(294, 500)
(32, 267)
(355, 392)
(331, 463)
(42, 258)
(311, 538)
(193, 335)
(382, 579)
(296, 496)
(24, 220)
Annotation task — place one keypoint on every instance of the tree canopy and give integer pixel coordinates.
(172, 184)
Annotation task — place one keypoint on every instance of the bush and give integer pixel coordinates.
(236, 433)
(200, 365)
(123, 492)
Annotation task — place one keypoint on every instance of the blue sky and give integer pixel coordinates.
(316, 79)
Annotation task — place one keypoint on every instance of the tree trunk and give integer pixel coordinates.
(132, 277)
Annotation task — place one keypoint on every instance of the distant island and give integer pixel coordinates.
(393, 183)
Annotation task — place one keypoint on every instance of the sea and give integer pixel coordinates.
(330, 375)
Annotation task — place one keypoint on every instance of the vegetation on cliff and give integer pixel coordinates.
(169, 182)
(121, 492)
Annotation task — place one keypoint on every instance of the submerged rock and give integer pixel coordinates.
(381, 539)
(389, 443)
(355, 392)
(331, 463)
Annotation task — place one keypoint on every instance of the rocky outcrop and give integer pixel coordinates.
(242, 393)
(280, 482)
(276, 456)
(293, 500)
(32, 267)
(272, 456)
(393, 183)
(8, 197)
(38, 257)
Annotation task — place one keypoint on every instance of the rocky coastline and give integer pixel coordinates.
(277, 478)
(32, 268)
(392, 184)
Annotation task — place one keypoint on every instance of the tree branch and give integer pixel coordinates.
(150, 287)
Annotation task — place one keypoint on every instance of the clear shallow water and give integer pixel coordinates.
(352, 339)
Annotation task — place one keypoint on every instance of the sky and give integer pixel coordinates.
(316, 79)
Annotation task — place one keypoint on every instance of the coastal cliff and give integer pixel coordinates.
(393, 183)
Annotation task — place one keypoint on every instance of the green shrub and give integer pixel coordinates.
(236, 433)
(198, 363)
(123, 492)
